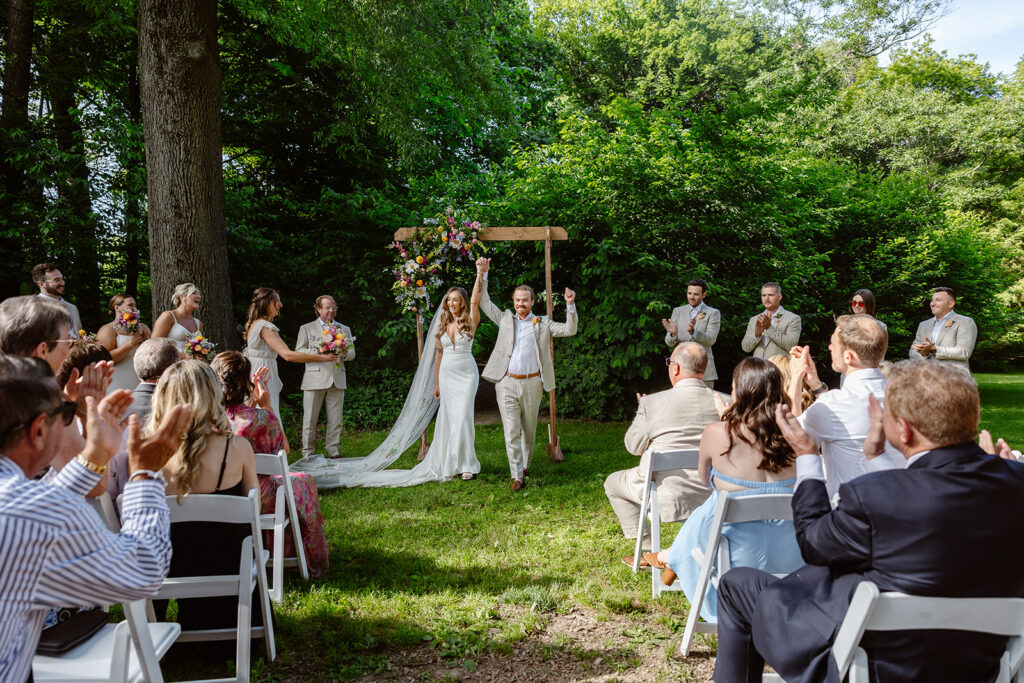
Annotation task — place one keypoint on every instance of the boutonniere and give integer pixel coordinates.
(778, 316)
(700, 316)
(949, 323)
(536, 320)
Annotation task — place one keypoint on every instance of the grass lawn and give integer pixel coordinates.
(469, 581)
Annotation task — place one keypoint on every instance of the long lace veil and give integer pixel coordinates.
(417, 411)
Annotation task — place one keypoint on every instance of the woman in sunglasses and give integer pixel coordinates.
(863, 301)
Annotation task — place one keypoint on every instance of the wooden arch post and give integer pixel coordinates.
(546, 235)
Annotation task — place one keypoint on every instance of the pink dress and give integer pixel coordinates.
(263, 430)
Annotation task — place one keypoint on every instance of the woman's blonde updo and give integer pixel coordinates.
(193, 383)
(182, 292)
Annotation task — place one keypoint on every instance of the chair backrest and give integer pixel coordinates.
(756, 507)
(215, 507)
(272, 463)
(871, 610)
(674, 460)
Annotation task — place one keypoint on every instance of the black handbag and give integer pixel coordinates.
(71, 632)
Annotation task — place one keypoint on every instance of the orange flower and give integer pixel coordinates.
(419, 283)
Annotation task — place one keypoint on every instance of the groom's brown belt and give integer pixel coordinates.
(533, 374)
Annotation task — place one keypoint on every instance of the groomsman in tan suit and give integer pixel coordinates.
(949, 336)
(522, 368)
(322, 383)
(775, 330)
(670, 420)
(696, 322)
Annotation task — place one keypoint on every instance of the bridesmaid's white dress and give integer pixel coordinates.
(124, 370)
(179, 333)
(262, 356)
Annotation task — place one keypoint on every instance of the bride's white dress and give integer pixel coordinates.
(453, 450)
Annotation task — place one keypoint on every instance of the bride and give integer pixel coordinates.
(455, 378)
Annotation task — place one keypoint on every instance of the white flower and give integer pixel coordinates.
(410, 267)
(421, 291)
(455, 243)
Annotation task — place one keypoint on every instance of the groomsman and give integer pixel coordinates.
(949, 336)
(322, 382)
(695, 322)
(522, 368)
(51, 283)
(775, 330)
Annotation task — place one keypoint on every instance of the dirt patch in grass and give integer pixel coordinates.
(577, 646)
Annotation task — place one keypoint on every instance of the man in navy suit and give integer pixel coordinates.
(949, 524)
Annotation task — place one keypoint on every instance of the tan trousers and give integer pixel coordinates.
(680, 492)
(312, 400)
(519, 402)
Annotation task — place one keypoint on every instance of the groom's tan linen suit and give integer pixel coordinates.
(954, 343)
(322, 383)
(670, 420)
(782, 336)
(705, 333)
(519, 397)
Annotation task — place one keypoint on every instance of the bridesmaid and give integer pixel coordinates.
(179, 323)
(264, 343)
(122, 346)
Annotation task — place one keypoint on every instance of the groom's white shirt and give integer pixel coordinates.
(524, 360)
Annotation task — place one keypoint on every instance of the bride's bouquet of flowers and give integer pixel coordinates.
(82, 335)
(198, 347)
(127, 323)
(335, 341)
(446, 240)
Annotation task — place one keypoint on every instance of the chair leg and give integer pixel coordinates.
(268, 614)
(277, 590)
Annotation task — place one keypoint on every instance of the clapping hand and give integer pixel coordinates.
(260, 396)
(669, 326)
(93, 381)
(570, 297)
(153, 452)
(925, 348)
(692, 325)
(799, 440)
(1000, 448)
(803, 365)
(762, 323)
(874, 443)
(103, 429)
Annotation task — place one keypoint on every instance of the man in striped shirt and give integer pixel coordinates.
(54, 550)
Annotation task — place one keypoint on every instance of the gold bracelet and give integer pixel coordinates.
(91, 466)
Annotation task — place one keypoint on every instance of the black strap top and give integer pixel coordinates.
(235, 490)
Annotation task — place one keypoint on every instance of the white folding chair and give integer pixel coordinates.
(873, 611)
(730, 510)
(285, 514)
(104, 507)
(658, 462)
(251, 575)
(125, 653)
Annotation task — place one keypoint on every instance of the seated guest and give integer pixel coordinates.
(949, 524)
(794, 389)
(743, 454)
(54, 549)
(839, 420)
(263, 430)
(669, 420)
(210, 459)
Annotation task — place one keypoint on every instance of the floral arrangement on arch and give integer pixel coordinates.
(448, 238)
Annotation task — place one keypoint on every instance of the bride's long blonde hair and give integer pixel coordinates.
(446, 316)
(194, 383)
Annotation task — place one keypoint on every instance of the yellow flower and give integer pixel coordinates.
(81, 333)
(444, 238)
(326, 332)
(205, 350)
(419, 259)
(126, 316)
(200, 337)
(536, 321)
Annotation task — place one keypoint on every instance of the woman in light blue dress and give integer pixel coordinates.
(745, 455)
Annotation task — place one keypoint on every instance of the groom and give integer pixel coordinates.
(521, 367)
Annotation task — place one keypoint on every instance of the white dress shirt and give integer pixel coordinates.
(525, 360)
(838, 421)
(937, 327)
(55, 550)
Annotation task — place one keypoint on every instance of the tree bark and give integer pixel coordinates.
(14, 116)
(134, 216)
(180, 88)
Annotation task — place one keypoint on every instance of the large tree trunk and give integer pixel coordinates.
(180, 87)
(14, 116)
(134, 216)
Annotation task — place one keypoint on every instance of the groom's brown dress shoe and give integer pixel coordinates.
(517, 484)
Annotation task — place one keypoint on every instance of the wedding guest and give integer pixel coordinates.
(323, 384)
(122, 344)
(51, 283)
(696, 322)
(744, 454)
(948, 337)
(54, 549)
(947, 524)
(773, 331)
(795, 389)
(37, 327)
(210, 459)
(179, 323)
(863, 301)
(263, 431)
(264, 343)
(670, 420)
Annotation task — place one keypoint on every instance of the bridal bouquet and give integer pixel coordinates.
(334, 341)
(199, 347)
(446, 240)
(127, 323)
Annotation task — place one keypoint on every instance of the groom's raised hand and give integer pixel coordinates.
(483, 264)
(570, 297)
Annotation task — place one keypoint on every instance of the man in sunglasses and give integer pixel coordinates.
(54, 549)
(669, 420)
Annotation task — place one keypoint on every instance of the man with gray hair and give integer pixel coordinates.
(33, 326)
(669, 420)
(774, 330)
(151, 359)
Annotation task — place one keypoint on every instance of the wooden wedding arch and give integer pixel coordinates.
(547, 235)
